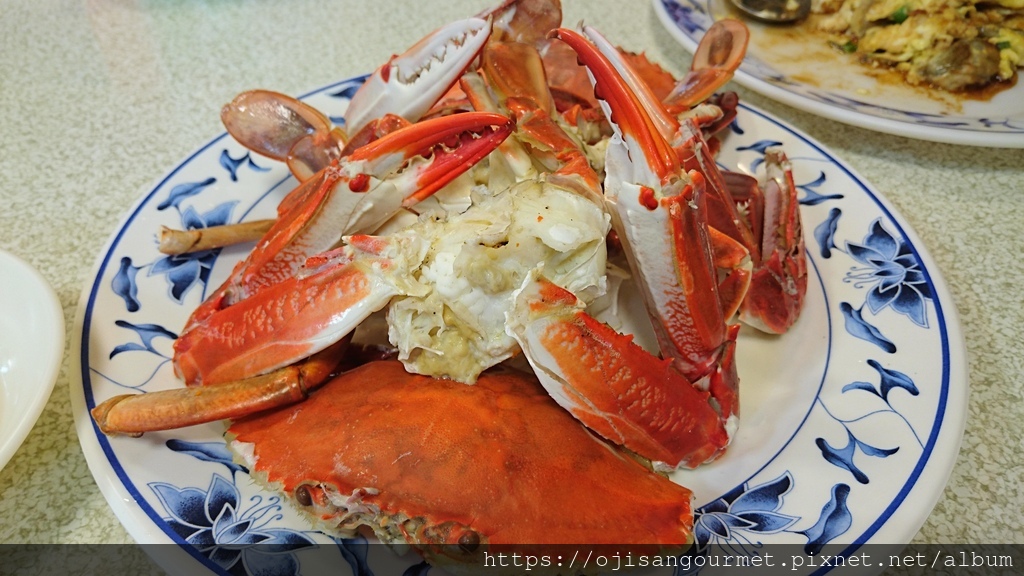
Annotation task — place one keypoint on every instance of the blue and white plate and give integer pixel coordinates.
(851, 422)
(799, 69)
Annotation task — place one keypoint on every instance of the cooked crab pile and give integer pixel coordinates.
(489, 191)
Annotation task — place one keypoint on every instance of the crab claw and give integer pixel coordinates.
(661, 217)
(352, 197)
(638, 88)
(299, 316)
(717, 57)
(634, 127)
(453, 143)
(612, 385)
(409, 84)
(647, 193)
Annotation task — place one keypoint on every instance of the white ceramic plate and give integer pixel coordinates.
(803, 72)
(852, 421)
(31, 348)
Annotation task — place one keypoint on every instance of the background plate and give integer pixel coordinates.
(801, 71)
(851, 422)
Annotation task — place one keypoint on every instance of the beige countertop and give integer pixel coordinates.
(101, 97)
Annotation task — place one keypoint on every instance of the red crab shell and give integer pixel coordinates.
(457, 469)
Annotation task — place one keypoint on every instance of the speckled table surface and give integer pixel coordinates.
(101, 97)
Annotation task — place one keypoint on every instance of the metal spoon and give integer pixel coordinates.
(774, 11)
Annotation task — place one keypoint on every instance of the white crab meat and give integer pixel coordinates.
(478, 258)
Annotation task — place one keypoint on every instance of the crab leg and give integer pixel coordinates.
(283, 128)
(134, 414)
(768, 288)
(779, 283)
(173, 241)
(512, 80)
(718, 56)
(298, 316)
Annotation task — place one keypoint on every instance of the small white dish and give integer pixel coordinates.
(31, 348)
(801, 71)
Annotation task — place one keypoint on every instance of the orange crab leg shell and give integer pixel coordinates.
(515, 70)
(779, 283)
(282, 324)
(134, 414)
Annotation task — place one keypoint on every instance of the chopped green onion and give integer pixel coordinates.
(900, 14)
(849, 47)
(1003, 45)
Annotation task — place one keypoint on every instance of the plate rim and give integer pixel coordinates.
(115, 488)
(48, 303)
(966, 137)
(955, 364)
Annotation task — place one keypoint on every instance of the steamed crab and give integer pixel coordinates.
(483, 235)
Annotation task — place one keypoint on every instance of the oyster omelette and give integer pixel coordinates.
(952, 45)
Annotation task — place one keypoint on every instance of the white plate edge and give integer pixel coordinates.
(50, 304)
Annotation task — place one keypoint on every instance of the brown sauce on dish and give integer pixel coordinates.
(805, 55)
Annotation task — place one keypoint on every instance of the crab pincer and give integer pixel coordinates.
(755, 227)
(403, 88)
(409, 84)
